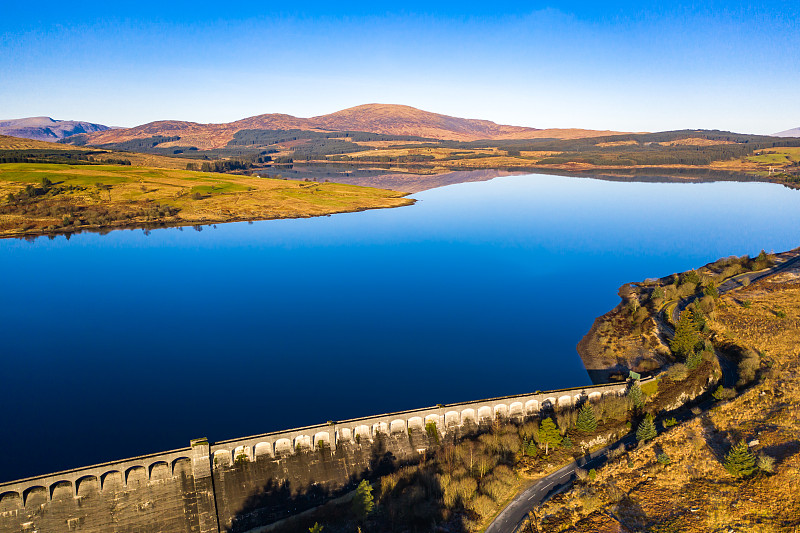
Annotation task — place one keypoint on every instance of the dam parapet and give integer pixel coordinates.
(237, 484)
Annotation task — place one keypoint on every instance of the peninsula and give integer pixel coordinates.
(100, 190)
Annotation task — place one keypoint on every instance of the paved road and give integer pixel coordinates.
(513, 515)
(742, 280)
(509, 520)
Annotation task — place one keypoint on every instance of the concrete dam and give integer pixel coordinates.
(237, 485)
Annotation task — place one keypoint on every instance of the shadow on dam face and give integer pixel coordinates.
(301, 481)
(240, 484)
(279, 506)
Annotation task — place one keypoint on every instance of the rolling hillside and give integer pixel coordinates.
(373, 118)
(794, 132)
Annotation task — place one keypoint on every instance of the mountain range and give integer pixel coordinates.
(46, 128)
(373, 118)
(388, 119)
(794, 132)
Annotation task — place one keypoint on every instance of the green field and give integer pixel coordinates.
(37, 198)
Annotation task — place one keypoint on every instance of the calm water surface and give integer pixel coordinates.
(130, 343)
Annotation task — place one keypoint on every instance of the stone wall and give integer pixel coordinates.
(235, 485)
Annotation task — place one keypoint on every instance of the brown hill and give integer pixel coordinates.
(374, 118)
(10, 142)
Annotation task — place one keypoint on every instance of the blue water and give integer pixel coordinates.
(128, 343)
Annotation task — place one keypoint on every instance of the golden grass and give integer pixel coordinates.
(17, 143)
(695, 141)
(616, 143)
(150, 160)
(222, 197)
(694, 493)
(142, 160)
(385, 144)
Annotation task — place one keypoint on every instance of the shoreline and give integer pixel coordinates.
(594, 351)
(184, 223)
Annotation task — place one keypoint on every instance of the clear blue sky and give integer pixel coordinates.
(641, 66)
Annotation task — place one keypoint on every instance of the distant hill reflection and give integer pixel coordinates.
(410, 179)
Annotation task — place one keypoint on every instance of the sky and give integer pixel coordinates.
(619, 65)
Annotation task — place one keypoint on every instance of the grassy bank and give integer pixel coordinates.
(57, 198)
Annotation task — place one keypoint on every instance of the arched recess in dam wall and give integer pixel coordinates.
(176, 488)
(129, 495)
(331, 434)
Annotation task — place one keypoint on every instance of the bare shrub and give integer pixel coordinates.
(617, 452)
(530, 431)
(504, 474)
(566, 418)
(723, 393)
(488, 441)
(443, 480)
(766, 463)
(495, 489)
(678, 372)
(612, 407)
(590, 501)
(485, 462)
(483, 505)
(509, 442)
(389, 482)
(462, 489)
(748, 366)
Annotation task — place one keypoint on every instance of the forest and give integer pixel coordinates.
(256, 146)
(68, 157)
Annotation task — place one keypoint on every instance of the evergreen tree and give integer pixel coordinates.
(657, 294)
(711, 290)
(635, 397)
(316, 528)
(699, 319)
(363, 502)
(740, 462)
(647, 429)
(549, 435)
(587, 422)
(693, 360)
(686, 338)
(692, 277)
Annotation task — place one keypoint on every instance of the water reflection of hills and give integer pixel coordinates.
(399, 179)
(420, 179)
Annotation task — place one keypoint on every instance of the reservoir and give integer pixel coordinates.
(136, 341)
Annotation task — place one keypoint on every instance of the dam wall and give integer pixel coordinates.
(236, 485)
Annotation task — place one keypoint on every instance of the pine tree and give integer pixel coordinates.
(549, 435)
(686, 338)
(647, 429)
(635, 397)
(316, 528)
(363, 502)
(693, 360)
(587, 422)
(699, 320)
(740, 462)
(711, 290)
